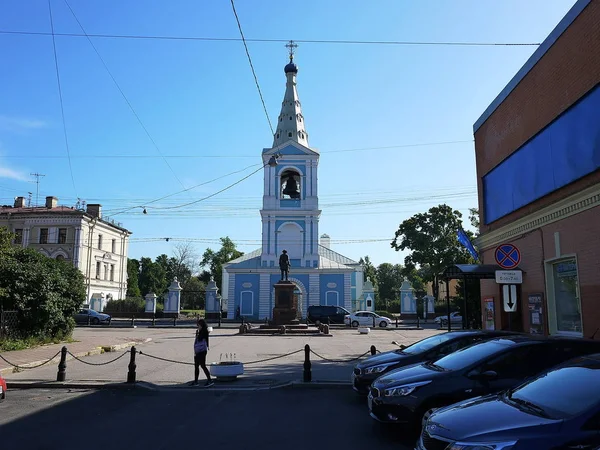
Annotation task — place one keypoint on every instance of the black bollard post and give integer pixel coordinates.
(174, 321)
(132, 367)
(132, 320)
(62, 365)
(220, 317)
(307, 365)
(418, 323)
(396, 321)
(373, 321)
(373, 350)
(153, 319)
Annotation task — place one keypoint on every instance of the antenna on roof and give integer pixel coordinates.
(29, 199)
(37, 177)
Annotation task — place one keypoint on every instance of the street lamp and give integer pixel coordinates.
(420, 296)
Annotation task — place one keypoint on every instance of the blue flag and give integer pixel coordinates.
(466, 242)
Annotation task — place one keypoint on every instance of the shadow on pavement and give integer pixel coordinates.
(125, 419)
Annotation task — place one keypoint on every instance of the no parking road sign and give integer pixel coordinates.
(507, 256)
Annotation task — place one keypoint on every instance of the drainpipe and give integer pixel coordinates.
(123, 267)
(92, 225)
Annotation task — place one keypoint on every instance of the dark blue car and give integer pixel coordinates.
(557, 410)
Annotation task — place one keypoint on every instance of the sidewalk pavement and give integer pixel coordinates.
(85, 344)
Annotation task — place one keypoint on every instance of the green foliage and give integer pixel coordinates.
(153, 277)
(193, 295)
(9, 345)
(45, 292)
(214, 260)
(369, 270)
(128, 305)
(388, 314)
(389, 280)
(133, 273)
(432, 239)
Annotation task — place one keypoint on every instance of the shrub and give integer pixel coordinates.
(128, 305)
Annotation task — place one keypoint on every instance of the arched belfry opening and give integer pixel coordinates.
(290, 184)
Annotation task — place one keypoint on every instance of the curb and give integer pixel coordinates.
(98, 385)
(95, 351)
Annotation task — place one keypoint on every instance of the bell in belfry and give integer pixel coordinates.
(291, 187)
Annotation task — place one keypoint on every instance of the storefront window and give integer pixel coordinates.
(566, 296)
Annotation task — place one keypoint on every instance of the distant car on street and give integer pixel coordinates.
(2, 388)
(87, 316)
(455, 318)
(326, 314)
(367, 319)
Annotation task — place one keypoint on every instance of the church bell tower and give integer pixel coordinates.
(290, 212)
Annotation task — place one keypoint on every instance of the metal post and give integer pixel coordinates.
(153, 319)
(448, 304)
(307, 376)
(133, 320)
(465, 313)
(373, 321)
(396, 321)
(132, 366)
(418, 316)
(373, 350)
(62, 365)
(174, 321)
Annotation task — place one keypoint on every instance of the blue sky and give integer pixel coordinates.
(200, 106)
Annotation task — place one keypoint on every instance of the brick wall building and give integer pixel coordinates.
(538, 159)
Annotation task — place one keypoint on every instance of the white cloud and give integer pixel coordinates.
(20, 123)
(5, 172)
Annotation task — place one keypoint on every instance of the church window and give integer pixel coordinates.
(277, 135)
(290, 117)
(290, 184)
(290, 134)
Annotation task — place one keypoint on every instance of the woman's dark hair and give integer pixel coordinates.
(202, 333)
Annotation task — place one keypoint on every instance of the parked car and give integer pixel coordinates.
(89, 316)
(2, 388)
(559, 409)
(410, 394)
(428, 349)
(367, 319)
(326, 314)
(455, 318)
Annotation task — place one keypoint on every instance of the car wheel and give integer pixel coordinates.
(383, 324)
(355, 324)
(95, 321)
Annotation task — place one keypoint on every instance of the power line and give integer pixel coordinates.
(389, 147)
(237, 19)
(124, 96)
(62, 108)
(276, 40)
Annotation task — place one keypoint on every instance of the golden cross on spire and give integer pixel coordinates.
(291, 46)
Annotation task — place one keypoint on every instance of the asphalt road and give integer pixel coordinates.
(291, 418)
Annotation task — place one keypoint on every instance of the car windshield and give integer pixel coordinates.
(562, 393)
(470, 355)
(427, 344)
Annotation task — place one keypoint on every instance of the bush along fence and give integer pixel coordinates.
(133, 353)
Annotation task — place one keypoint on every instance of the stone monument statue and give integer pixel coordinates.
(284, 265)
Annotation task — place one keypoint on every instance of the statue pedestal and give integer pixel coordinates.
(286, 306)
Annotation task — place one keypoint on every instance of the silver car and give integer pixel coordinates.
(91, 317)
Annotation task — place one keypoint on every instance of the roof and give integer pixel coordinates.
(472, 271)
(57, 210)
(562, 26)
(328, 260)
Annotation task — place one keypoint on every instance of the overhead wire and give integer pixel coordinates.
(388, 147)
(60, 96)
(237, 19)
(124, 96)
(277, 40)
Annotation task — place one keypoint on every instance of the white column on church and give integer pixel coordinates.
(272, 250)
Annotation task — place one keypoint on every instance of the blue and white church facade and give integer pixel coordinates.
(290, 221)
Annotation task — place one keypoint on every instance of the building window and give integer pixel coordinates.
(98, 269)
(62, 235)
(290, 134)
(43, 235)
(99, 242)
(565, 290)
(114, 246)
(60, 258)
(19, 236)
(106, 273)
(112, 272)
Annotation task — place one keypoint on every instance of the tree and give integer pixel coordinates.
(193, 295)
(214, 260)
(153, 277)
(45, 292)
(389, 280)
(133, 276)
(473, 287)
(369, 270)
(432, 239)
(474, 219)
(185, 260)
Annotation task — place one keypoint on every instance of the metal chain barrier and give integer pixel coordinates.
(339, 360)
(274, 357)
(165, 359)
(99, 364)
(28, 367)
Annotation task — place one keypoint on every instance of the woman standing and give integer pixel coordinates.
(200, 351)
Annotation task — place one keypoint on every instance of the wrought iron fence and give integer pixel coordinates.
(9, 323)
